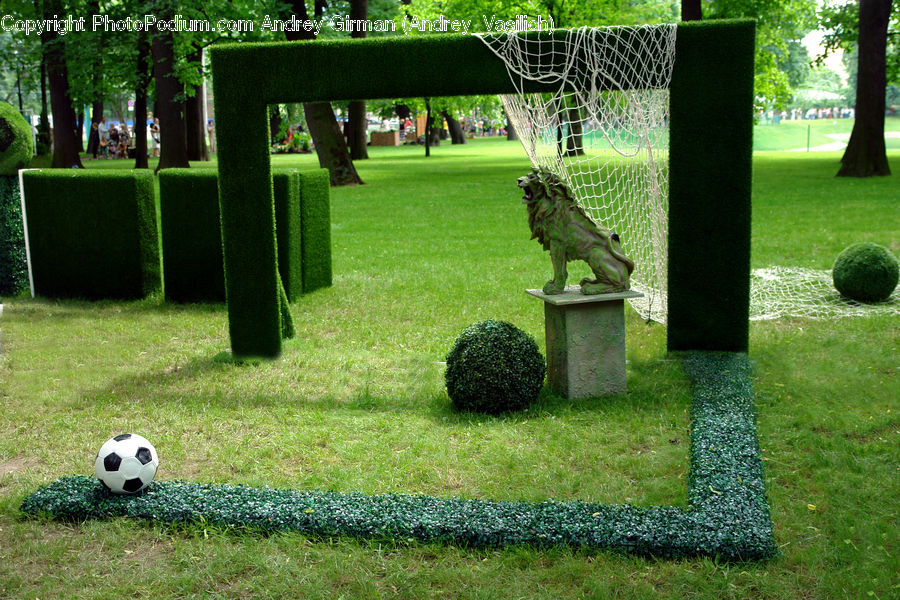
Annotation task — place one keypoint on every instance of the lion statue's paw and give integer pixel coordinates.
(552, 288)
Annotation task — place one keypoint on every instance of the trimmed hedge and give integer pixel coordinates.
(16, 144)
(710, 156)
(866, 272)
(92, 234)
(727, 515)
(13, 264)
(494, 367)
(288, 231)
(191, 235)
(710, 162)
(315, 199)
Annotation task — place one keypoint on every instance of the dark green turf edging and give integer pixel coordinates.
(92, 233)
(727, 514)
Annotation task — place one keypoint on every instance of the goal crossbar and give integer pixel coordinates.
(711, 110)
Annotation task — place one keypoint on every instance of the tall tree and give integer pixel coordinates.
(331, 147)
(691, 10)
(169, 95)
(195, 141)
(65, 139)
(865, 155)
(356, 111)
(143, 68)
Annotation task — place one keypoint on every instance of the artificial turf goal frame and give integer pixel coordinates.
(710, 149)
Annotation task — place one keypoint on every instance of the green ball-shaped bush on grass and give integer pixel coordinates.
(494, 367)
(16, 145)
(866, 272)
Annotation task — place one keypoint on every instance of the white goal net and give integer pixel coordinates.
(603, 131)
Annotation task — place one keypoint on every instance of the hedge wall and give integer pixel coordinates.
(315, 199)
(727, 515)
(288, 231)
(191, 235)
(92, 233)
(710, 178)
(13, 266)
(711, 131)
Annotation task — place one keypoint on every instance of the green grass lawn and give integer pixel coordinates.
(357, 403)
(798, 135)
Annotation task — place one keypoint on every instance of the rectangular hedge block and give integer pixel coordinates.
(92, 234)
(315, 220)
(191, 235)
(288, 231)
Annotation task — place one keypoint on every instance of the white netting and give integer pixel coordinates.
(777, 292)
(604, 131)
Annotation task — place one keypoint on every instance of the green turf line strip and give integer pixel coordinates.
(727, 514)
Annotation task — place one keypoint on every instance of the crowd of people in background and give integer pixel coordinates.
(116, 140)
(811, 114)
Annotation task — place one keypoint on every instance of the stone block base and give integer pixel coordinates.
(585, 342)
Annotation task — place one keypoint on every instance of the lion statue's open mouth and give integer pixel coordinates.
(563, 228)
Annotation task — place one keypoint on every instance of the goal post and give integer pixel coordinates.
(709, 173)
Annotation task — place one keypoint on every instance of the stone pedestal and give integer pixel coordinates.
(585, 342)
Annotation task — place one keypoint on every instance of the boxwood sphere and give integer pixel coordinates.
(866, 272)
(494, 367)
(16, 145)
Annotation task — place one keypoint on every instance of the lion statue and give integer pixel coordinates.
(563, 228)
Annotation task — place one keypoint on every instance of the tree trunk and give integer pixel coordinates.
(865, 155)
(511, 134)
(43, 128)
(65, 142)
(172, 149)
(356, 112)
(691, 10)
(195, 141)
(330, 145)
(356, 130)
(457, 136)
(429, 121)
(575, 139)
(274, 122)
(140, 103)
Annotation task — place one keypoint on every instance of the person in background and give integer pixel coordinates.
(211, 130)
(154, 137)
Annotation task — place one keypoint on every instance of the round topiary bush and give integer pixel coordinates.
(494, 367)
(866, 272)
(16, 145)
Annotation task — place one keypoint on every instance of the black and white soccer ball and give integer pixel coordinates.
(126, 464)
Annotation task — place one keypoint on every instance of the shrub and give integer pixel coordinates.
(13, 266)
(494, 367)
(288, 231)
(93, 234)
(315, 220)
(15, 140)
(191, 235)
(866, 272)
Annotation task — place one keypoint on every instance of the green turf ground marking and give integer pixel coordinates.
(727, 514)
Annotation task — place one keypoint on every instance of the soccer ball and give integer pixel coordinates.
(126, 464)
